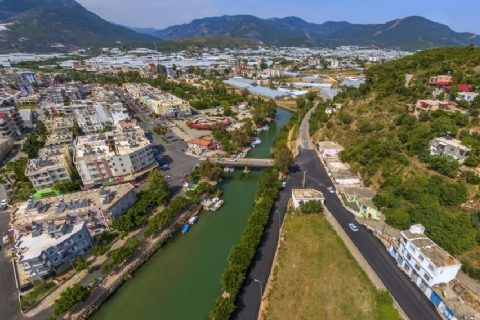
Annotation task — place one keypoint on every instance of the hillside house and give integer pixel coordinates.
(449, 147)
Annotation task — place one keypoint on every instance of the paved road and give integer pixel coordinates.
(413, 302)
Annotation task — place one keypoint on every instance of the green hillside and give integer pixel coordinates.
(389, 146)
(204, 42)
(37, 25)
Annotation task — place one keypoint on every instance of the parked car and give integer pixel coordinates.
(181, 149)
(26, 287)
(220, 159)
(3, 204)
(202, 159)
(353, 227)
(284, 184)
(232, 160)
(330, 189)
(168, 177)
(95, 283)
(94, 268)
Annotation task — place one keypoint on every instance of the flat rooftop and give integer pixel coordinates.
(307, 194)
(79, 202)
(438, 256)
(35, 245)
(359, 192)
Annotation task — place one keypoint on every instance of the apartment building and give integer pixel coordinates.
(449, 147)
(120, 155)
(29, 76)
(52, 166)
(54, 124)
(425, 262)
(60, 137)
(8, 129)
(162, 103)
(88, 119)
(54, 250)
(96, 207)
(15, 116)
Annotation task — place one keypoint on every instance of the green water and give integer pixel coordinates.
(182, 280)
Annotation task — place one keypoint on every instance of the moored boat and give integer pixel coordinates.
(192, 220)
(185, 228)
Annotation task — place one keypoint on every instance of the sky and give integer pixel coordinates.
(164, 13)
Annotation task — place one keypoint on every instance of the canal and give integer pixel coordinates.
(182, 280)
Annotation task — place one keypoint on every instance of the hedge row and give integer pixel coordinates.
(162, 218)
(242, 254)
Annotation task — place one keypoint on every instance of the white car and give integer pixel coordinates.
(202, 159)
(284, 184)
(3, 204)
(232, 160)
(353, 227)
(330, 189)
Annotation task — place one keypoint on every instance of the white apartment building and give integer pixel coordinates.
(53, 124)
(425, 262)
(467, 96)
(162, 103)
(88, 119)
(53, 165)
(120, 155)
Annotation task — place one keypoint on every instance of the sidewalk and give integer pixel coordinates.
(49, 300)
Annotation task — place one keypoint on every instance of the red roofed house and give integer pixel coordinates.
(201, 144)
(462, 87)
(441, 80)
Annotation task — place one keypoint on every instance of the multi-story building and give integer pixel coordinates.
(161, 103)
(59, 137)
(54, 250)
(52, 166)
(449, 147)
(29, 76)
(59, 123)
(97, 208)
(6, 145)
(15, 116)
(88, 119)
(56, 95)
(120, 155)
(8, 129)
(425, 262)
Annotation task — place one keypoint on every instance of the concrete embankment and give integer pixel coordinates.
(148, 249)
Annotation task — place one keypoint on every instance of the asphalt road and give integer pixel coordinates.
(413, 302)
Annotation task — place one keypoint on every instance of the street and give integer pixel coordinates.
(413, 302)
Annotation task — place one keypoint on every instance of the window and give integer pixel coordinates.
(427, 277)
(417, 267)
(80, 236)
(420, 257)
(407, 267)
(431, 267)
(409, 257)
(56, 259)
(411, 248)
(124, 170)
(51, 252)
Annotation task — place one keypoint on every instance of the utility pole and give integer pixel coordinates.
(303, 183)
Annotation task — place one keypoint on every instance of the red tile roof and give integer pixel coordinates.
(2, 115)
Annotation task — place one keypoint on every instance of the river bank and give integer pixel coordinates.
(186, 272)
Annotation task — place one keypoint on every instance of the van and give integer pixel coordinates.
(26, 287)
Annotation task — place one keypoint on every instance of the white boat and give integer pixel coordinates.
(193, 220)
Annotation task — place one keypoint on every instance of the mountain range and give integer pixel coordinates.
(410, 33)
(41, 25)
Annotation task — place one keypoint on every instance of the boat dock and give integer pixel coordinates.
(213, 204)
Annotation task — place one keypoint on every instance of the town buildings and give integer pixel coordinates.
(8, 128)
(425, 262)
(164, 104)
(54, 250)
(119, 155)
(53, 165)
(448, 146)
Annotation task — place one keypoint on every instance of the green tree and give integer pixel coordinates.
(32, 145)
(283, 158)
(313, 206)
(300, 103)
(160, 130)
(67, 186)
(239, 137)
(100, 249)
(80, 264)
(211, 171)
(311, 95)
(69, 297)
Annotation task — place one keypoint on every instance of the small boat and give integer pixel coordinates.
(192, 220)
(185, 228)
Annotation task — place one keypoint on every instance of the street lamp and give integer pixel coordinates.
(261, 291)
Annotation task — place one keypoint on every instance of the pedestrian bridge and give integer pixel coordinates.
(246, 162)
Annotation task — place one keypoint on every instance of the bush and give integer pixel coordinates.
(385, 307)
(309, 207)
(100, 249)
(162, 218)
(69, 297)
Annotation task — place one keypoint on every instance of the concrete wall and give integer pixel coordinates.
(6, 145)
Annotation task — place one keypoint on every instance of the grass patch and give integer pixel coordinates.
(40, 290)
(318, 278)
(27, 106)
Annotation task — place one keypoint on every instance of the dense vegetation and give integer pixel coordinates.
(162, 218)
(389, 146)
(241, 255)
(69, 297)
(152, 196)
